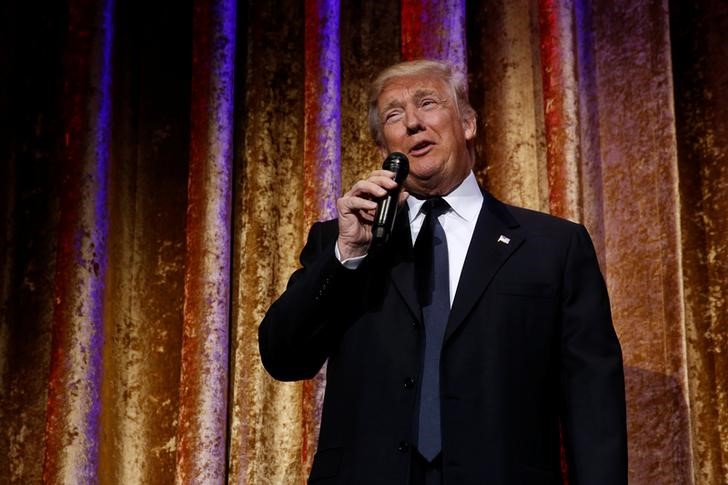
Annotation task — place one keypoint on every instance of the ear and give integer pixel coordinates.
(470, 127)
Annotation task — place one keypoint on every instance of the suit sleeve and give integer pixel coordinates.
(302, 327)
(592, 376)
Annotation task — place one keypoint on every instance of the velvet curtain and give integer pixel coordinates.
(161, 163)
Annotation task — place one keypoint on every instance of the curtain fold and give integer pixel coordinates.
(640, 220)
(266, 417)
(435, 30)
(201, 433)
(321, 161)
(560, 106)
(506, 92)
(370, 39)
(32, 134)
(155, 201)
(147, 248)
(74, 385)
(702, 145)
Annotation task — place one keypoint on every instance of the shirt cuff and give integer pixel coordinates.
(351, 263)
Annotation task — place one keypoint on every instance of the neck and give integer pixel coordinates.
(424, 192)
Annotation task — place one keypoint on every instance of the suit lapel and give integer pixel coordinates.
(403, 266)
(497, 235)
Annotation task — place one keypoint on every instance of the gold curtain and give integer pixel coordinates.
(161, 164)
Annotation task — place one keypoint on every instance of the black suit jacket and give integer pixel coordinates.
(529, 349)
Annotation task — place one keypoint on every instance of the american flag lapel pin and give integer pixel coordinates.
(503, 239)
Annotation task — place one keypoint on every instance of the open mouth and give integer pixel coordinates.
(421, 148)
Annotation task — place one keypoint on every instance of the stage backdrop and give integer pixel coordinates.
(162, 162)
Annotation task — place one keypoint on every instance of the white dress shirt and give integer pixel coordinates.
(458, 222)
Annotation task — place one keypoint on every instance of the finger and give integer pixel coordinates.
(383, 181)
(366, 187)
(367, 216)
(382, 173)
(354, 203)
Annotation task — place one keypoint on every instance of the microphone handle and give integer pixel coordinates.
(384, 218)
(387, 209)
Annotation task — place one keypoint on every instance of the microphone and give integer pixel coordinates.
(387, 207)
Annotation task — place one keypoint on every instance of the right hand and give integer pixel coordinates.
(357, 209)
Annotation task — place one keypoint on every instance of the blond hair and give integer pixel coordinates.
(457, 82)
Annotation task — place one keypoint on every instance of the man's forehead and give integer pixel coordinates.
(411, 87)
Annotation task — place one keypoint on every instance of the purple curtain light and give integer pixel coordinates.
(72, 420)
(202, 434)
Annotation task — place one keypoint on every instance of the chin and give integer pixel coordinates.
(426, 173)
(427, 188)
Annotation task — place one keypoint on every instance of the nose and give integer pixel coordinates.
(412, 121)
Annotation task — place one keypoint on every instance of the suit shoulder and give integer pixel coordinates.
(542, 224)
(530, 216)
(515, 215)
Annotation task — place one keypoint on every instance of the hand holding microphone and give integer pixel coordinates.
(387, 207)
(367, 211)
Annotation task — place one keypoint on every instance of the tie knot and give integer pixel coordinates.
(436, 205)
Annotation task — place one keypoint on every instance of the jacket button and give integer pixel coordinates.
(403, 447)
(409, 383)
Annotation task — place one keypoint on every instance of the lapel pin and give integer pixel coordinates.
(503, 239)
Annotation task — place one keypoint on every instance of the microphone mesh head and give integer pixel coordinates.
(399, 164)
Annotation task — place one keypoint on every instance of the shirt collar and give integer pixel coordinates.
(465, 200)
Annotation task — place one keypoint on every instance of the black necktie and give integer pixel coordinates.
(433, 291)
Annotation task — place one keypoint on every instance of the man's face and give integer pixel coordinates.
(420, 118)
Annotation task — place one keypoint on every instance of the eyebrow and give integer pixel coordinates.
(422, 93)
(418, 95)
(395, 103)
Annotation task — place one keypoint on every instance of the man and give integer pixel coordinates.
(463, 358)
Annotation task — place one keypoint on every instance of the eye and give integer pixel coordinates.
(392, 116)
(428, 103)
